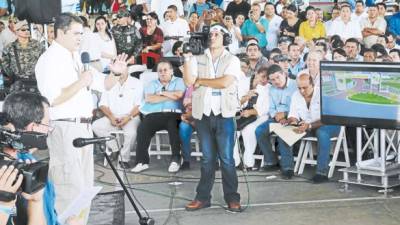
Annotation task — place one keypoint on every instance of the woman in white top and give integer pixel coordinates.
(106, 49)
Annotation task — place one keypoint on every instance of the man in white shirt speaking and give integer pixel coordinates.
(63, 81)
(305, 114)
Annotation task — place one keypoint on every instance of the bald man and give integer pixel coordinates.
(305, 114)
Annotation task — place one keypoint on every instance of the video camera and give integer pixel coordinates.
(198, 42)
(35, 174)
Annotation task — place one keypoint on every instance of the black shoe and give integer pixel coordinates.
(257, 165)
(269, 168)
(185, 165)
(287, 175)
(125, 165)
(240, 166)
(318, 179)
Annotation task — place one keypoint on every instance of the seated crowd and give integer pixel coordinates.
(280, 48)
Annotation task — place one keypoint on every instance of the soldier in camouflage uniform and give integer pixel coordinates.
(20, 57)
(127, 37)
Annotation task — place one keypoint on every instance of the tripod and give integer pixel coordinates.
(142, 220)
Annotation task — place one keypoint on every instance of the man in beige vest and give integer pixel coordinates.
(215, 75)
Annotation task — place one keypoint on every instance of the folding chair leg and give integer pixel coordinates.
(307, 149)
(299, 156)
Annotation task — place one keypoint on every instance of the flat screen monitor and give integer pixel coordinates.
(360, 94)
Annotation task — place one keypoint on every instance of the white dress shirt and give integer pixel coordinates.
(299, 109)
(57, 68)
(273, 32)
(179, 27)
(262, 105)
(160, 7)
(347, 30)
(123, 97)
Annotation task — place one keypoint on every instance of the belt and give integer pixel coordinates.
(172, 110)
(76, 120)
(95, 60)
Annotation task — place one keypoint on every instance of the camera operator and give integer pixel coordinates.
(26, 112)
(214, 105)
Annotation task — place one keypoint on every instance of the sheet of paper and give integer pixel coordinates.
(79, 204)
(286, 133)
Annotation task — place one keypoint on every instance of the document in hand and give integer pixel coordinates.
(79, 204)
(286, 133)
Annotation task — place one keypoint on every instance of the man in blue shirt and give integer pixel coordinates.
(161, 110)
(280, 93)
(394, 26)
(255, 27)
(199, 7)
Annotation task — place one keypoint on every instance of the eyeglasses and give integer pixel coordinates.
(50, 128)
(23, 30)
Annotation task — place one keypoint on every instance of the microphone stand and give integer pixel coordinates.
(142, 220)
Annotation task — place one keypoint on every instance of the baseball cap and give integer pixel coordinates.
(123, 13)
(21, 24)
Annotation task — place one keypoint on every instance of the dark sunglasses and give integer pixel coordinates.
(24, 30)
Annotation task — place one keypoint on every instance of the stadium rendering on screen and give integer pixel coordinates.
(360, 94)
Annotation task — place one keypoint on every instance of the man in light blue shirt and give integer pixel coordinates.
(199, 7)
(255, 27)
(161, 110)
(280, 95)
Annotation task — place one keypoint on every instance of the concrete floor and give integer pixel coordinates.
(270, 201)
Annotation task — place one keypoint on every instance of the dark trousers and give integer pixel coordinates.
(217, 138)
(152, 123)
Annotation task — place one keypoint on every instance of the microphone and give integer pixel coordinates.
(85, 59)
(80, 142)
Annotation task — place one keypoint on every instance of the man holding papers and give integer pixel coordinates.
(305, 114)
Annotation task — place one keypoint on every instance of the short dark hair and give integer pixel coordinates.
(292, 8)
(340, 52)
(263, 69)
(360, 1)
(378, 48)
(23, 108)
(345, 6)
(382, 4)
(273, 69)
(291, 45)
(396, 51)
(63, 22)
(173, 7)
(370, 50)
(353, 40)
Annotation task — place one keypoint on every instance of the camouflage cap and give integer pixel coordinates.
(123, 13)
(21, 24)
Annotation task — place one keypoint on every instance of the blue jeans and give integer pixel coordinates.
(323, 134)
(185, 133)
(217, 138)
(264, 142)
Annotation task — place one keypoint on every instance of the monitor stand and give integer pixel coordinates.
(383, 170)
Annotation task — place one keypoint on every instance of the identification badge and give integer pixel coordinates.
(216, 92)
(128, 39)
